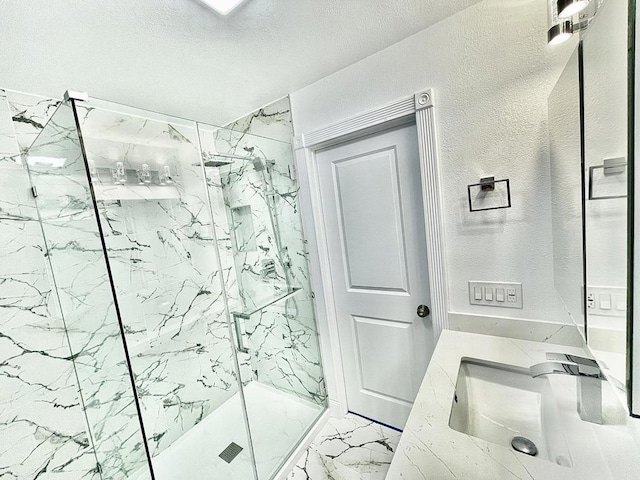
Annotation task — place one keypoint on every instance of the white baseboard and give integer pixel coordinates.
(337, 409)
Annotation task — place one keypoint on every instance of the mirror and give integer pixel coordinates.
(588, 151)
(633, 339)
(604, 84)
(565, 152)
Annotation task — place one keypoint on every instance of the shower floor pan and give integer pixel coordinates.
(278, 421)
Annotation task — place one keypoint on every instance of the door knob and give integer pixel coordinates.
(423, 311)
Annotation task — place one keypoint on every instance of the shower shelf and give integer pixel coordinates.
(266, 302)
(136, 192)
(233, 156)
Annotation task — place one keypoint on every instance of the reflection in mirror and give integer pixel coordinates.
(566, 190)
(604, 47)
(588, 152)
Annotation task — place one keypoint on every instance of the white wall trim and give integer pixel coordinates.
(418, 108)
(321, 284)
(431, 200)
(356, 124)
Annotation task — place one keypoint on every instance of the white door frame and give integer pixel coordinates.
(418, 109)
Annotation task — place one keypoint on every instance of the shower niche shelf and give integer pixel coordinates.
(265, 302)
(136, 192)
(156, 187)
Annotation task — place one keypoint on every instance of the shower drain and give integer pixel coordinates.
(231, 452)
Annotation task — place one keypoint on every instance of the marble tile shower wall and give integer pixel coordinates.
(178, 334)
(166, 276)
(42, 425)
(272, 121)
(83, 295)
(184, 368)
(283, 338)
(162, 253)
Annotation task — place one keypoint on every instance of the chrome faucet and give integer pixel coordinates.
(589, 380)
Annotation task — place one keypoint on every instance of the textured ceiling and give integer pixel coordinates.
(181, 58)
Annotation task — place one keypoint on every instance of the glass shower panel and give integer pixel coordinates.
(253, 194)
(152, 201)
(84, 298)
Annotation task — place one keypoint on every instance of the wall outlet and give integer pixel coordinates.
(607, 301)
(495, 294)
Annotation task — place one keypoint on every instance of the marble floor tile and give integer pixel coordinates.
(313, 466)
(348, 448)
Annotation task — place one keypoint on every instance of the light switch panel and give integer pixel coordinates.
(607, 301)
(496, 294)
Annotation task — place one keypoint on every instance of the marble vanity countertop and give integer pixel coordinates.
(429, 449)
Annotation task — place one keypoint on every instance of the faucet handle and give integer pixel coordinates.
(554, 368)
(564, 367)
(567, 357)
(587, 367)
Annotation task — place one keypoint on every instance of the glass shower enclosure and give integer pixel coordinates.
(180, 272)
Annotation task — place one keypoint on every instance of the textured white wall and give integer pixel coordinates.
(605, 90)
(492, 73)
(179, 57)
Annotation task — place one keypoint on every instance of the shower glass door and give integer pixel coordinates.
(132, 245)
(180, 271)
(253, 195)
(83, 297)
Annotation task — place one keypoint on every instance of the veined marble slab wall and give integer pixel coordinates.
(42, 425)
(283, 338)
(83, 296)
(160, 244)
(273, 121)
(161, 248)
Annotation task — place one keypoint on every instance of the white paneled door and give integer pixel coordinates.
(372, 207)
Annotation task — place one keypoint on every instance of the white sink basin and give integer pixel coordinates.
(497, 402)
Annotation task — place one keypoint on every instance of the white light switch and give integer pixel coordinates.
(605, 301)
(621, 302)
(497, 294)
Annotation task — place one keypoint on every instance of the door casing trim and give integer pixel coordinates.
(418, 109)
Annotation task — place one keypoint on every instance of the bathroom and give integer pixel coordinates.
(189, 190)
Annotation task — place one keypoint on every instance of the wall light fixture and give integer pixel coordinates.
(560, 33)
(569, 8)
(223, 7)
